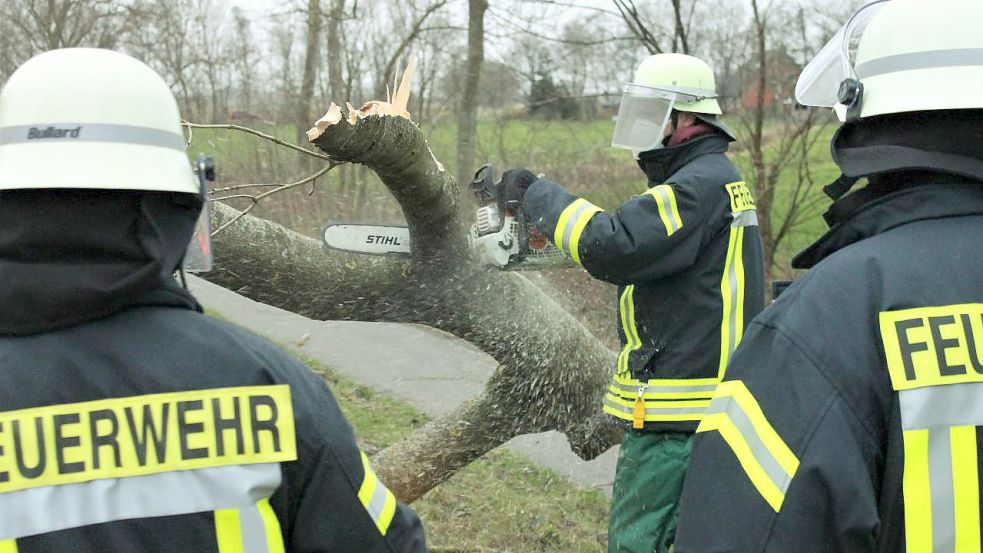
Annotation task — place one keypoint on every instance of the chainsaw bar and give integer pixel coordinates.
(368, 239)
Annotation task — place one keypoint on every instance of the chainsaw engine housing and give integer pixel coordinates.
(513, 245)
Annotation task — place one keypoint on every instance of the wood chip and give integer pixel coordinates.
(332, 117)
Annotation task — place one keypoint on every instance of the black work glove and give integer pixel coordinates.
(515, 182)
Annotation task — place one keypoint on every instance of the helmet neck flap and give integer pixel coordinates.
(109, 250)
(919, 143)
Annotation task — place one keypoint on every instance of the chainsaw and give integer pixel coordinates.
(500, 236)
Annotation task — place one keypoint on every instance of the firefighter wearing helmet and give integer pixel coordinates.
(686, 257)
(129, 420)
(851, 417)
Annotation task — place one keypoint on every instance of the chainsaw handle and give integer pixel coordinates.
(483, 184)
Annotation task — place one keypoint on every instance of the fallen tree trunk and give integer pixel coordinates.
(553, 371)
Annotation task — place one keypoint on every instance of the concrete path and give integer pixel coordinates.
(429, 369)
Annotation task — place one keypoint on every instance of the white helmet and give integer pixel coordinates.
(664, 82)
(896, 56)
(95, 119)
(89, 118)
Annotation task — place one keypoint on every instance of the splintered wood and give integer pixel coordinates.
(394, 106)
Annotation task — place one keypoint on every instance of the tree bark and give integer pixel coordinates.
(467, 131)
(553, 371)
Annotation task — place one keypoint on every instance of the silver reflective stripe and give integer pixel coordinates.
(747, 218)
(695, 410)
(572, 222)
(732, 281)
(633, 390)
(941, 483)
(920, 60)
(253, 530)
(91, 132)
(617, 406)
(771, 466)
(666, 205)
(676, 411)
(51, 508)
(942, 406)
(378, 502)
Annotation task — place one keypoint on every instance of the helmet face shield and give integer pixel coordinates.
(819, 83)
(642, 118)
(198, 257)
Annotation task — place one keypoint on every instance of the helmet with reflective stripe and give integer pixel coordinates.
(918, 55)
(663, 83)
(90, 118)
(688, 75)
(898, 56)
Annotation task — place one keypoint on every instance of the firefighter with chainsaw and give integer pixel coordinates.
(129, 420)
(686, 256)
(851, 417)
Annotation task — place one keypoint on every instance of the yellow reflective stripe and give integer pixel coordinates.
(768, 462)
(148, 434)
(966, 487)
(732, 298)
(8, 546)
(561, 224)
(739, 295)
(695, 404)
(632, 341)
(923, 345)
(578, 229)
(228, 531)
(378, 501)
(775, 444)
(625, 413)
(739, 445)
(741, 198)
(665, 200)
(917, 493)
(628, 380)
(274, 537)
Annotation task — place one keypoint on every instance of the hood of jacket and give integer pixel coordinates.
(904, 157)
(72, 256)
(658, 165)
(929, 199)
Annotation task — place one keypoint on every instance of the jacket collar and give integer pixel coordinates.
(658, 165)
(917, 203)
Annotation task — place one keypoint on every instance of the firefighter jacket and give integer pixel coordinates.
(686, 256)
(851, 417)
(130, 421)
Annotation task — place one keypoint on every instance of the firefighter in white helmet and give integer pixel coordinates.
(686, 256)
(851, 416)
(129, 420)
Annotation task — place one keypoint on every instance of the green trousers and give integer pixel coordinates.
(647, 486)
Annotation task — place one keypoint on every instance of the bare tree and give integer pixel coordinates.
(467, 132)
(772, 156)
(28, 27)
(311, 57)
